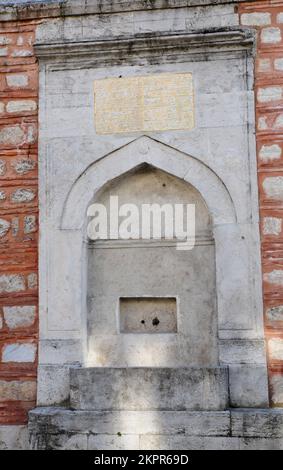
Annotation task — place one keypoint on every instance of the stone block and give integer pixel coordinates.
(257, 423)
(270, 35)
(11, 283)
(274, 277)
(3, 167)
(24, 166)
(248, 386)
(13, 437)
(276, 383)
(3, 51)
(245, 351)
(273, 187)
(256, 19)
(22, 53)
(188, 442)
(149, 388)
(269, 153)
(17, 80)
(4, 40)
(30, 224)
(262, 123)
(31, 134)
(58, 428)
(17, 390)
(279, 122)
(19, 352)
(136, 22)
(19, 316)
(4, 227)
(23, 195)
(272, 226)
(275, 313)
(272, 93)
(60, 442)
(264, 65)
(20, 106)
(117, 442)
(32, 281)
(64, 351)
(275, 347)
(278, 64)
(2, 195)
(214, 107)
(53, 385)
(193, 423)
(11, 135)
(261, 444)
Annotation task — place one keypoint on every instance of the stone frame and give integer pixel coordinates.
(241, 338)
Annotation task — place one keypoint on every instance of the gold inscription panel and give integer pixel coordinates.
(151, 103)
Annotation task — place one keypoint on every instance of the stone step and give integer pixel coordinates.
(242, 429)
(146, 388)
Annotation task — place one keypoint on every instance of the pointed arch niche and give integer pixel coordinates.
(236, 326)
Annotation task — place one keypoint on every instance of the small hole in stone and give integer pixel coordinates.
(155, 322)
(142, 322)
(164, 185)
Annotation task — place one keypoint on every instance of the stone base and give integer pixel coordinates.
(238, 429)
(149, 388)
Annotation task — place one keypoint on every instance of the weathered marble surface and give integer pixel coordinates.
(53, 428)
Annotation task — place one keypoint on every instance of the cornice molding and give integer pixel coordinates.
(150, 45)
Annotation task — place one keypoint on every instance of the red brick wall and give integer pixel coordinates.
(267, 17)
(18, 222)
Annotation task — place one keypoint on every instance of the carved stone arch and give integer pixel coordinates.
(146, 150)
(238, 279)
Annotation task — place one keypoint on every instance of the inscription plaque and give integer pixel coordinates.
(157, 102)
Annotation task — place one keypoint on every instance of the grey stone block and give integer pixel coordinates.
(208, 443)
(58, 428)
(257, 423)
(13, 437)
(117, 442)
(53, 385)
(242, 352)
(193, 423)
(248, 386)
(62, 441)
(188, 443)
(261, 444)
(141, 388)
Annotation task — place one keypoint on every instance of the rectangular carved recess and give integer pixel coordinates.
(148, 315)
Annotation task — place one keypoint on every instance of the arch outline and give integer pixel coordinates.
(145, 150)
